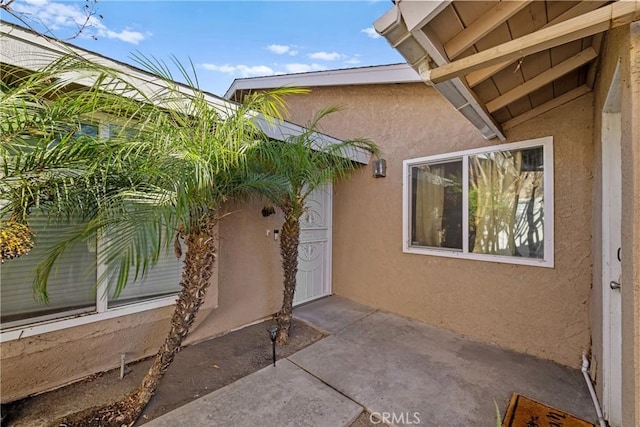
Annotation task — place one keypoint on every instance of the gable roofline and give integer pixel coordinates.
(370, 75)
(38, 50)
(27, 49)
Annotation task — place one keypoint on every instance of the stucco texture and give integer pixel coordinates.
(539, 311)
(247, 288)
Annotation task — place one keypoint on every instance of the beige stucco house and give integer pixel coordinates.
(508, 212)
(548, 91)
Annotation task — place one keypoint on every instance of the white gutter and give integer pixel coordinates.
(592, 391)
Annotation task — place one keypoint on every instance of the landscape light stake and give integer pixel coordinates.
(273, 332)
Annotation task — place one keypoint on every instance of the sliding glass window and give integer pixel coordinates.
(493, 204)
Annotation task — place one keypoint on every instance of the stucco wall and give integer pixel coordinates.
(247, 288)
(539, 311)
(621, 44)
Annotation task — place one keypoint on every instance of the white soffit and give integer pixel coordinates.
(379, 74)
(416, 14)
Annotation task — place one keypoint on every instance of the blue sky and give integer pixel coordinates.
(225, 39)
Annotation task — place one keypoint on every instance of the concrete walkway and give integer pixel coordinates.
(281, 396)
(413, 373)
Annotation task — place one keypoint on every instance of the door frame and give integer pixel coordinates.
(327, 189)
(611, 241)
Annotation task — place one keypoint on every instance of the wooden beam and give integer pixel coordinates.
(449, 88)
(603, 19)
(542, 79)
(477, 77)
(482, 26)
(547, 106)
(596, 44)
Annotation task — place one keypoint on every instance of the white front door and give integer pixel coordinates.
(314, 250)
(612, 255)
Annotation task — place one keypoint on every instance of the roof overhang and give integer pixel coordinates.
(503, 62)
(26, 49)
(401, 26)
(378, 74)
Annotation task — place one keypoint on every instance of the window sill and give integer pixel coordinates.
(25, 331)
(448, 253)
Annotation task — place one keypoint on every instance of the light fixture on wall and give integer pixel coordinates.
(268, 210)
(379, 168)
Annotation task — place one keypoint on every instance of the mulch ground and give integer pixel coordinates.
(197, 370)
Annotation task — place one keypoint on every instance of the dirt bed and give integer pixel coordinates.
(197, 370)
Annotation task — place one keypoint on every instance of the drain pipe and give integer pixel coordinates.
(594, 397)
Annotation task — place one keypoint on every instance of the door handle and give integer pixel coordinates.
(619, 254)
(614, 285)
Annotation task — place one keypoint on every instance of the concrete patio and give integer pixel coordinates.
(386, 364)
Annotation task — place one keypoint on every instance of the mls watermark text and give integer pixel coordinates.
(405, 418)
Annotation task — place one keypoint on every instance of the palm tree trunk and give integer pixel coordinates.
(289, 239)
(198, 269)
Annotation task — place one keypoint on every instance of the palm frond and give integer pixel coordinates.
(306, 162)
(174, 155)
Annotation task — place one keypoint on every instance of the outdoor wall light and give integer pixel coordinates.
(268, 210)
(273, 333)
(379, 168)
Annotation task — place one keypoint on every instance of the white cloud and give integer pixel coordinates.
(65, 18)
(128, 36)
(303, 68)
(355, 59)
(278, 49)
(371, 32)
(325, 56)
(240, 69)
(281, 49)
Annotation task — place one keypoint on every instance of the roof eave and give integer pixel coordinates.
(378, 74)
(402, 27)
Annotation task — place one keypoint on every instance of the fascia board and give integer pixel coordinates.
(283, 131)
(381, 74)
(388, 21)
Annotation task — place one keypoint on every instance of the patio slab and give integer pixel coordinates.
(284, 395)
(418, 372)
(332, 314)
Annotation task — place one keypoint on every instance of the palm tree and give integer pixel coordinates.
(305, 163)
(164, 178)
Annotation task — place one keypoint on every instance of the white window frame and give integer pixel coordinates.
(72, 318)
(548, 261)
(60, 323)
